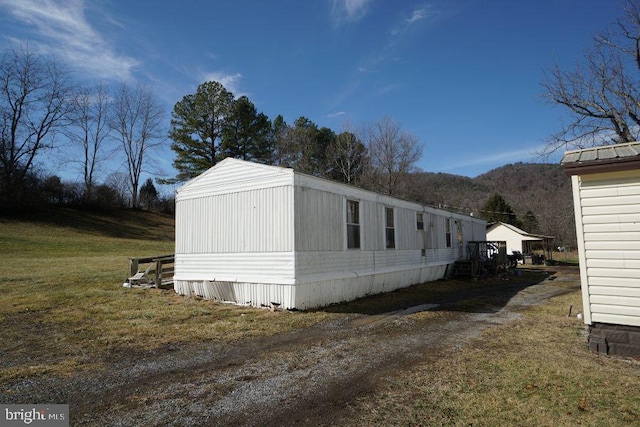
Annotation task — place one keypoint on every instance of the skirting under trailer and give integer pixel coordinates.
(304, 296)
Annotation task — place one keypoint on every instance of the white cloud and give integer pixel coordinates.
(497, 158)
(417, 15)
(61, 28)
(337, 114)
(349, 10)
(231, 82)
(420, 13)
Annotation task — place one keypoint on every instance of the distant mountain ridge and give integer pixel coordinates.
(541, 188)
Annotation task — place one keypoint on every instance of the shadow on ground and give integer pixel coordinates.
(475, 295)
(117, 223)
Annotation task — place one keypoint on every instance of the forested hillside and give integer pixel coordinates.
(543, 189)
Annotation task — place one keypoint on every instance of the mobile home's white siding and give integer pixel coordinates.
(258, 234)
(316, 215)
(258, 220)
(607, 213)
(234, 225)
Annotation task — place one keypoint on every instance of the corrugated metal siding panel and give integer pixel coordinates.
(333, 263)
(325, 292)
(315, 266)
(439, 256)
(610, 210)
(626, 150)
(371, 231)
(232, 175)
(255, 294)
(392, 258)
(479, 232)
(265, 267)
(319, 220)
(437, 231)
(248, 221)
(405, 229)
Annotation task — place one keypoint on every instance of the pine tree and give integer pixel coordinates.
(148, 194)
(496, 209)
(197, 124)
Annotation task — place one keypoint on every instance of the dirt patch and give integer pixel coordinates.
(308, 376)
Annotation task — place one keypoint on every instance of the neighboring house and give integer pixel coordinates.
(518, 240)
(606, 196)
(264, 235)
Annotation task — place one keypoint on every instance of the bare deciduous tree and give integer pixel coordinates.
(119, 183)
(601, 93)
(347, 157)
(136, 120)
(393, 155)
(89, 131)
(34, 95)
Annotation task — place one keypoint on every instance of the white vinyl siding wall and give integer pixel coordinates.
(250, 221)
(319, 220)
(235, 223)
(609, 217)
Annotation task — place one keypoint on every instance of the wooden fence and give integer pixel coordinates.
(152, 271)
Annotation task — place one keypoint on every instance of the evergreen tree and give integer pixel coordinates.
(148, 194)
(197, 124)
(530, 223)
(303, 146)
(246, 133)
(496, 209)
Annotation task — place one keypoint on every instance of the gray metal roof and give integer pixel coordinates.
(604, 153)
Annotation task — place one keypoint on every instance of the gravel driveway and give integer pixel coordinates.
(306, 377)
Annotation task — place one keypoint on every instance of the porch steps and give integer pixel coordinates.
(463, 268)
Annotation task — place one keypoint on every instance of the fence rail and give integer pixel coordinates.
(152, 271)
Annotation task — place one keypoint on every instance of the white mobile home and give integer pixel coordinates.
(255, 234)
(606, 196)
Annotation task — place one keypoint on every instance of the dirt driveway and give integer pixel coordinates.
(306, 377)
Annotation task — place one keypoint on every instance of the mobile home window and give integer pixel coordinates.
(419, 221)
(389, 231)
(447, 230)
(353, 224)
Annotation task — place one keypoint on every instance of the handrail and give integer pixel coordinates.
(160, 268)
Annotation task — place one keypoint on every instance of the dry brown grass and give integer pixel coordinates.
(530, 372)
(64, 307)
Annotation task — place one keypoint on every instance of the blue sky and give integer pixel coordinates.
(461, 75)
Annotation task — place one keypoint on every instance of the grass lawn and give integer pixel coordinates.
(63, 306)
(534, 371)
(63, 309)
